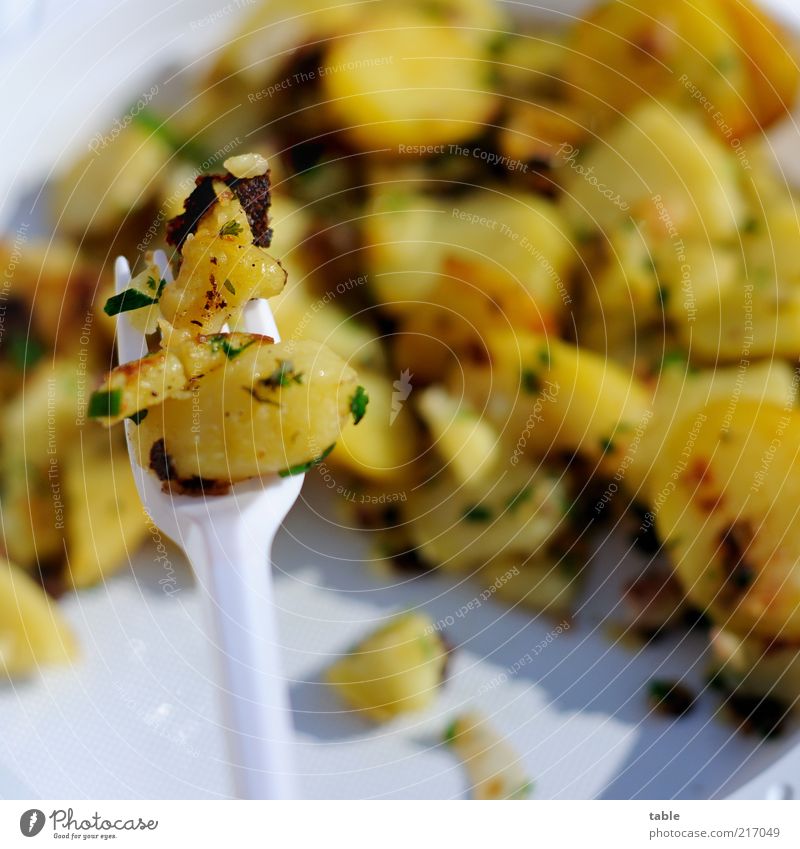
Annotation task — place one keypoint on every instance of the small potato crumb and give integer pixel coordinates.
(246, 165)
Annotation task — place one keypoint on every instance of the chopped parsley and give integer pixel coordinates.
(726, 63)
(153, 125)
(138, 416)
(477, 513)
(231, 228)
(358, 404)
(221, 342)
(544, 357)
(450, 732)
(105, 403)
(670, 697)
(531, 382)
(607, 444)
(764, 715)
(524, 792)
(663, 295)
(750, 224)
(24, 352)
(229, 286)
(302, 468)
(134, 299)
(519, 498)
(283, 375)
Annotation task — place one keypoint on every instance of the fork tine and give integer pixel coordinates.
(160, 259)
(130, 343)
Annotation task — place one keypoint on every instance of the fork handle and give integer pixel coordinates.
(236, 574)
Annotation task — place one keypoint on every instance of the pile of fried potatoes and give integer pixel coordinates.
(564, 263)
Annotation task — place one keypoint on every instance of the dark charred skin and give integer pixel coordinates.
(53, 576)
(161, 464)
(733, 546)
(253, 193)
(202, 198)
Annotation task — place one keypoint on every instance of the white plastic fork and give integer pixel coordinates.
(228, 540)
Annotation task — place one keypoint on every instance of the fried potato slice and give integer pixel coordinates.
(728, 480)
(32, 631)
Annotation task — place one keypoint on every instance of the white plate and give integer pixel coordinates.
(137, 716)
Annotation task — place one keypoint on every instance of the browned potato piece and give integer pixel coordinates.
(771, 62)
(105, 521)
(405, 80)
(135, 387)
(720, 53)
(385, 446)
(396, 670)
(271, 409)
(726, 506)
(32, 630)
(221, 270)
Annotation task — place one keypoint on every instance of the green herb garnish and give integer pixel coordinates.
(229, 286)
(105, 403)
(607, 445)
(24, 352)
(524, 792)
(531, 382)
(283, 375)
(750, 224)
(221, 342)
(231, 228)
(134, 299)
(358, 404)
(450, 732)
(139, 416)
(477, 513)
(670, 697)
(523, 495)
(302, 468)
(152, 123)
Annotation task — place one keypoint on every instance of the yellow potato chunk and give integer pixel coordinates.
(755, 667)
(495, 770)
(405, 81)
(534, 583)
(32, 631)
(396, 670)
(728, 56)
(270, 409)
(105, 521)
(567, 398)
(683, 392)
(728, 481)
(503, 258)
(302, 316)
(384, 446)
(455, 529)
(468, 443)
(657, 162)
(137, 386)
(221, 270)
